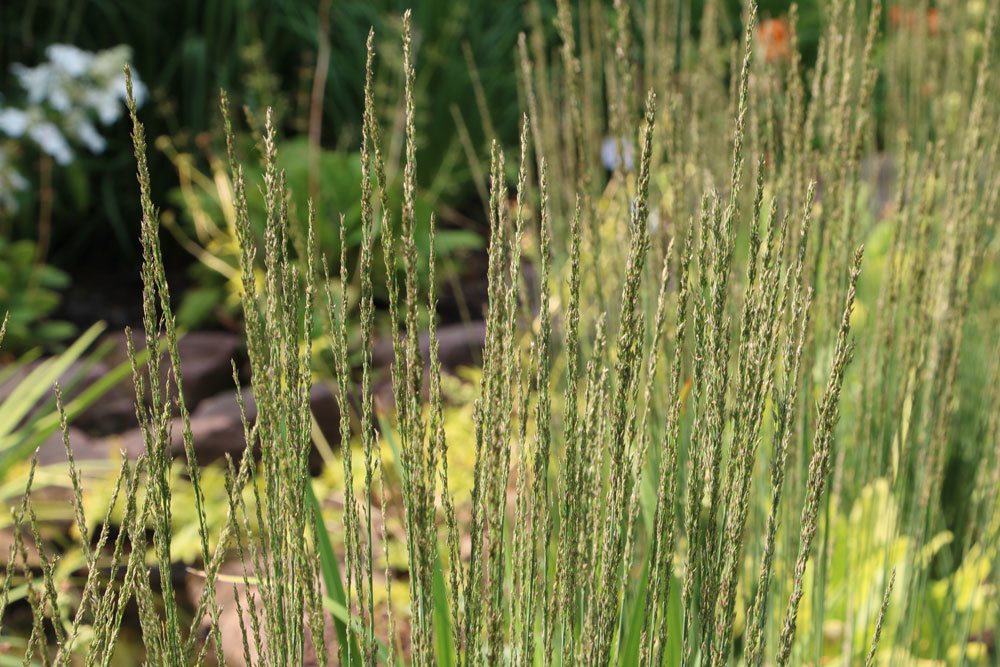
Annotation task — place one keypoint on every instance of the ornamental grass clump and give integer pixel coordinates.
(677, 451)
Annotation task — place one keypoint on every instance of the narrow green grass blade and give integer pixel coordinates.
(443, 644)
(340, 613)
(647, 497)
(444, 647)
(628, 653)
(675, 622)
(334, 584)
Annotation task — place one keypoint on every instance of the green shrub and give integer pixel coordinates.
(28, 293)
(205, 199)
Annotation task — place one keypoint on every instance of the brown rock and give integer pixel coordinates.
(52, 451)
(7, 534)
(217, 426)
(206, 361)
(459, 345)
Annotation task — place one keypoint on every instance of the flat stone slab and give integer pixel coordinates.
(217, 426)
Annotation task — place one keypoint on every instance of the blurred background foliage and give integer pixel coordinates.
(264, 54)
(270, 55)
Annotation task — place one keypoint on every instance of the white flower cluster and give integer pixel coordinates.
(66, 98)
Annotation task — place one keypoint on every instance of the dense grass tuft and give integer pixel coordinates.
(720, 437)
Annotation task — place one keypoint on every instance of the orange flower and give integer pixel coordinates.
(895, 16)
(933, 21)
(910, 19)
(775, 39)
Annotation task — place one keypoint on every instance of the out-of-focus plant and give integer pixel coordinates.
(207, 226)
(65, 99)
(864, 546)
(27, 417)
(65, 96)
(57, 112)
(12, 181)
(266, 54)
(27, 295)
